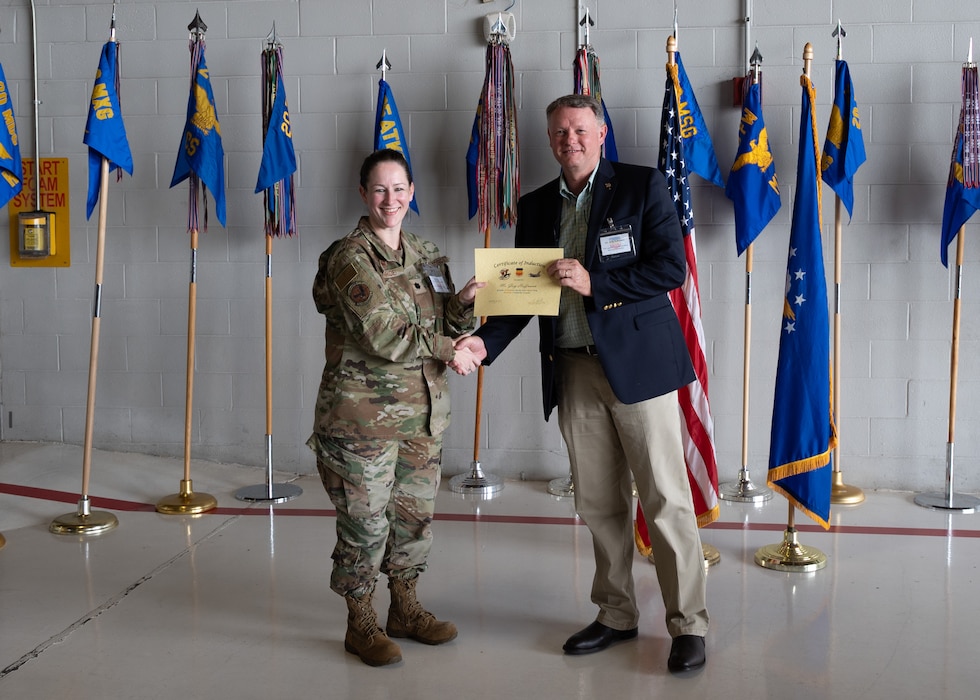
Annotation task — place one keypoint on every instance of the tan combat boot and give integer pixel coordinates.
(364, 637)
(407, 617)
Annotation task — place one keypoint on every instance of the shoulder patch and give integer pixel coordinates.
(359, 293)
(345, 276)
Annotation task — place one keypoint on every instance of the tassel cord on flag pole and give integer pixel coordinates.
(497, 189)
(279, 220)
(186, 501)
(743, 490)
(789, 555)
(85, 521)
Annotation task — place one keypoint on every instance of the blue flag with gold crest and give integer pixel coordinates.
(961, 201)
(803, 434)
(105, 133)
(388, 131)
(752, 184)
(201, 151)
(11, 171)
(278, 155)
(843, 149)
(701, 158)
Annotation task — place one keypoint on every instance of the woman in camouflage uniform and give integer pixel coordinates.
(383, 404)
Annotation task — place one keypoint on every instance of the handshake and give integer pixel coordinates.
(470, 352)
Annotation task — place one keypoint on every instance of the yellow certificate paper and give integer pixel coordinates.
(517, 283)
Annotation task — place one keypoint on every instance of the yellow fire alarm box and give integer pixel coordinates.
(35, 240)
(36, 235)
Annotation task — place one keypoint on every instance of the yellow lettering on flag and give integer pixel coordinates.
(101, 103)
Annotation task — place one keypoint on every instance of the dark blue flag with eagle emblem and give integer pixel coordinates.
(843, 150)
(752, 184)
(201, 152)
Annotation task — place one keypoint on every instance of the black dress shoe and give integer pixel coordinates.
(686, 653)
(596, 637)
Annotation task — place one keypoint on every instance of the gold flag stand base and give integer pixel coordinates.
(84, 521)
(844, 495)
(2, 541)
(711, 556)
(186, 502)
(790, 555)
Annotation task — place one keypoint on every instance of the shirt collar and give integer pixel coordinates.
(568, 194)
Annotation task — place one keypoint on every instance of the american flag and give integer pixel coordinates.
(698, 428)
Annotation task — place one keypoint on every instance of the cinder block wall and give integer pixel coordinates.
(897, 298)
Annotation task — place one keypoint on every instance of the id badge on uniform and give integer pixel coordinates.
(616, 242)
(436, 279)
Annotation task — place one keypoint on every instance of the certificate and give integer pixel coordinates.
(517, 283)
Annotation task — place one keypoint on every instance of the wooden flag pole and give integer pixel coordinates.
(85, 521)
(948, 500)
(840, 492)
(477, 482)
(270, 491)
(742, 490)
(185, 501)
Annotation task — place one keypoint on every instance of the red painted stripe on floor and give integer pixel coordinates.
(262, 509)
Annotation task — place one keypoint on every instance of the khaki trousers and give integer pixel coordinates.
(612, 445)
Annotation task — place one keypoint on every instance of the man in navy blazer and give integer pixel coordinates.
(611, 362)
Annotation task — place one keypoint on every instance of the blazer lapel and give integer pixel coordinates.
(603, 189)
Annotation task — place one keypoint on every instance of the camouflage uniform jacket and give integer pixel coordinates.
(389, 333)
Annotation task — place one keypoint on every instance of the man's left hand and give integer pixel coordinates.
(569, 272)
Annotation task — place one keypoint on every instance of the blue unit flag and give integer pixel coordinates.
(278, 155)
(11, 171)
(201, 151)
(701, 158)
(105, 133)
(752, 184)
(961, 201)
(843, 149)
(388, 131)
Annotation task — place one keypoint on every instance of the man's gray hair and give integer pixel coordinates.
(578, 102)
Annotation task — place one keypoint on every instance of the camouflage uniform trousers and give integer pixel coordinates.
(385, 504)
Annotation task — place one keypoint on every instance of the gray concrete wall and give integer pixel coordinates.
(905, 59)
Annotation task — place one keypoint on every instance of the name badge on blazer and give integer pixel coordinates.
(615, 242)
